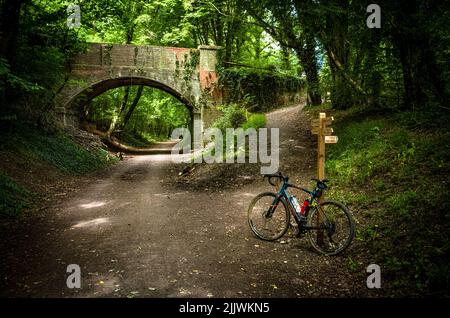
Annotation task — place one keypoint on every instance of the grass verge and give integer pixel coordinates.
(56, 149)
(392, 170)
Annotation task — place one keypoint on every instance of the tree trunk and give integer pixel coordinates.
(116, 118)
(9, 29)
(123, 106)
(335, 39)
(410, 58)
(133, 106)
(307, 57)
(341, 92)
(286, 58)
(229, 37)
(422, 77)
(374, 78)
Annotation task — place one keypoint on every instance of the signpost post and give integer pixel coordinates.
(320, 127)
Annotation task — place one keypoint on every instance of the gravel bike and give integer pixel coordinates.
(328, 224)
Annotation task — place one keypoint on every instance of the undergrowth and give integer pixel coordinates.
(54, 148)
(13, 197)
(392, 170)
(140, 140)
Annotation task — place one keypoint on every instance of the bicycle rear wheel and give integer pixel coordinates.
(268, 224)
(336, 230)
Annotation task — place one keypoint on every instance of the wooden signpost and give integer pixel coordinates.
(320, 127)
(331, 139)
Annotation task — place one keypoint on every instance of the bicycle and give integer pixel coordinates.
(323, 222)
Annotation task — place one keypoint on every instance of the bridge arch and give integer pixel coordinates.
(74, 106)
(187, 74)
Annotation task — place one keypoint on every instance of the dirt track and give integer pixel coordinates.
(137, 232)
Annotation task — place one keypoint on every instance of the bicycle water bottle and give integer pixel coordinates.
(304, 207)
(296, 206)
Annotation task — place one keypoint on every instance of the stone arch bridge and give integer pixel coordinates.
(188, 74)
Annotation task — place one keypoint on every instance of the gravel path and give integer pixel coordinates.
(139, 230)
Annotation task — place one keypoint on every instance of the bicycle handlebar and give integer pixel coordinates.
(321, 184)
(278, 175)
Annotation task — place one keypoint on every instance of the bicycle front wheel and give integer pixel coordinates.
(331, 227)
(267, 220)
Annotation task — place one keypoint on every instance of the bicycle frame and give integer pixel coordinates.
(283, 194)
(320, 216)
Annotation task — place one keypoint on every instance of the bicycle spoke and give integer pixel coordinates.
(336, 223)
(267, 227)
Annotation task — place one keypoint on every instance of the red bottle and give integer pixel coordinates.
(304, 206)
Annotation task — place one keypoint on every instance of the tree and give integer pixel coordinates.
(132, 107)
(416, 29)
(283, 22)
(9, 28)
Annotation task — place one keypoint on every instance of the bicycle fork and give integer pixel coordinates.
(273, 206)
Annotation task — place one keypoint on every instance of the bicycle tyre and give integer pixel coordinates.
(349, 220)
(285, 217)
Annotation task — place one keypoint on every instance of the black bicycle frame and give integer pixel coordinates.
(283, 194)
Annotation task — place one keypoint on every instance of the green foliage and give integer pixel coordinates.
(401, 65)
(394, 170)
(153, 119)
(234, 116)
(138, 22)
(8, 79)
(255, 121)
(350, 162)
(404, 203)
(267, 89)
(56, 149)
(139, 139)
(64, 154)
(354, 265)
(394, 178)
(34, 67)
(190, 65)
(13, 198)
